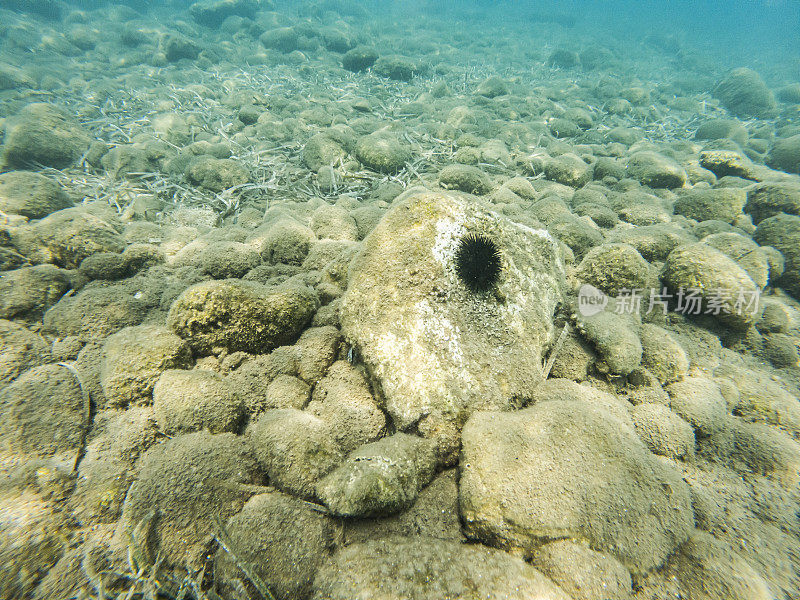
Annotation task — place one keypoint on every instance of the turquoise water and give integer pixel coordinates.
(415, 300)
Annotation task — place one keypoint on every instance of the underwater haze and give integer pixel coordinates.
(416, 300)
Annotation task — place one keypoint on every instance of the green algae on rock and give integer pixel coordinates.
(31, 195)
(745, 94)
(33, 424)
(44, 134)
(284, 538)
(382, 151)
(719, 281)
(188, 480)
(134, 359)
(241, 315)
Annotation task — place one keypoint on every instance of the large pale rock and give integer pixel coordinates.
(571, 469)
(435, 346)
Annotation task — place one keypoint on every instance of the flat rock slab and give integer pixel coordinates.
(436, 347)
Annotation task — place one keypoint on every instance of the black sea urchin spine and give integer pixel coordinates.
(478, 262)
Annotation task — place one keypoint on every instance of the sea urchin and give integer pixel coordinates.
(478, 263)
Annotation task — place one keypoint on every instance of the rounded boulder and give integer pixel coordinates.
(241, 315)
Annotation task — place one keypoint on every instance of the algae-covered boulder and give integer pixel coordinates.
(568, 169)
(382, 151)
(317, 350)
(108, 266)
(187, 401)
(492, 88)
(576, 469)
(359, 58)
(333, 223)
(614, 267)
(43, 413)
(322, 150)
(216, 174)
(579, 234)
(744, 94)
(728, 162)
(96, 312)
(380, 478)
(783, 232)
(663, 431)
(127, 159)
(179, 47)
(181, 486)
(726, 290)
(68, 236)
(662, 355)
(287, 241)
(613, 333)
(34, 534)
(286, 391)
(20, 350)
(43, 134)
(241, 315)
(716, 129)
(564, 128)
(785, 154)
(582, 572)
(12, 77)
(282, 39)
(134, 359)
(108, 466)
(283, 538)
(655, 170)
(747, 254)
(213, 12)
(707, 569)
(28, 292)
(465, 178)
(653, 242)
(295, 448)
(766, 200)
(563, 58)
(434, 514)
(699, 401)
(400, 568)
(396, 67)
(222, 260)
(31, 195)
(343, 399)
(419, 301)
(762, 399)
(724, 204)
